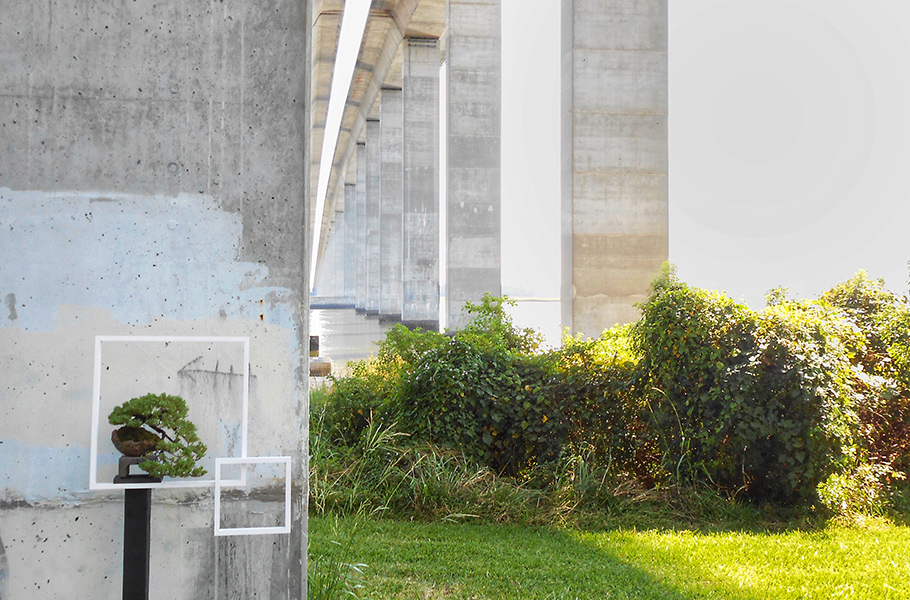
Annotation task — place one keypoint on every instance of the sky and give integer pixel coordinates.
(788, 144)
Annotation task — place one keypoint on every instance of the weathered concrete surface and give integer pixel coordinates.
(152, 162)
(338, 255)
(186, 560)
(373, 218)
(614, 158)
(474, 97)
(391, 123)
(420, 268)
(350, 241)
(361, 211)
(329, 281)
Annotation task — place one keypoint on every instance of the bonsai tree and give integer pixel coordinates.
(156, 426)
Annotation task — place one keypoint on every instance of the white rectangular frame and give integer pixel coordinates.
(96, 410)
(225, 531)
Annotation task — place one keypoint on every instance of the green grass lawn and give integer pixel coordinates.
(429, 561)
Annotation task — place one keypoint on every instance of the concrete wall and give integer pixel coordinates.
(614, 158)
(152, 162)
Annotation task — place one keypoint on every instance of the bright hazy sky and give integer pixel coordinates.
(789, 154)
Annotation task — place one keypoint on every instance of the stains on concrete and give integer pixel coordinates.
(10, 301)
(35, 473)
(141, 253)
(4, 571)
(159, 165)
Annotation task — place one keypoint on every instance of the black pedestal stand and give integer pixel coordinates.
(137, 516)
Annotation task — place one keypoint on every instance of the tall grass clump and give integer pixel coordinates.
(331, 572)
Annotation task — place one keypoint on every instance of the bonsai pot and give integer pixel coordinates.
(134, 441)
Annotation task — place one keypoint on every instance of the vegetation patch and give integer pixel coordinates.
(708, 450)
(803, 404)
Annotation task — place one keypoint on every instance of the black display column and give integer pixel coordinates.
(137, 527)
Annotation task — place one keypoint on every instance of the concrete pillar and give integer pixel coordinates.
(350, 242)
(329, 284)
(326, 273)
(373, 185)
(391, 192)
(420, 268)
(474, 76)
(360, 278)
(339, 255)
(614, 158)
(154, 183)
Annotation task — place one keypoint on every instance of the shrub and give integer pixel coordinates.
(492, 405)
(178, 447)
(751, 402)
(491, 327)
(882, 367)
(804, 400)
(604, 412)
(352, 401)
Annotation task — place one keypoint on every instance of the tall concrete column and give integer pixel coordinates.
(390, 127)
(340, 247)
(360, 195)
(350, 242)
(420, 268)
(474, 76)
(326, 282)
(373, 188)
(614, 158)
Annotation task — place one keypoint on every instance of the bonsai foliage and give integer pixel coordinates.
(178, 448)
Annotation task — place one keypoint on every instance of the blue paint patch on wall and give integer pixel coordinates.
(142, 258)
(37, 473)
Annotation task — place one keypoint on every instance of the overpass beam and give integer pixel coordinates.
(614, 158)
(420, 267)
(474, 97)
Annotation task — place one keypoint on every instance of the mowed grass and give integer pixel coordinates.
(408, 560)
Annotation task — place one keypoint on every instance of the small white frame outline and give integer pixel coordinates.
(96, 410)
(225, 531)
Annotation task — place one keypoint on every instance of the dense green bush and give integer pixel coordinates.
(883, 383)
(801, 401)
(754, 403)
(880, 456)
(367, 393)
(486, 393)
(482, 390)
(604, 412)
(377, 388)
(491, 404)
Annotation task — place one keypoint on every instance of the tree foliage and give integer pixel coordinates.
(178, 448)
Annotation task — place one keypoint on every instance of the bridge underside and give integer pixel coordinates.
(379, 240)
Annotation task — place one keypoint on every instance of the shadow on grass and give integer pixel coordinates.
(688, 509)
(447, 561)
